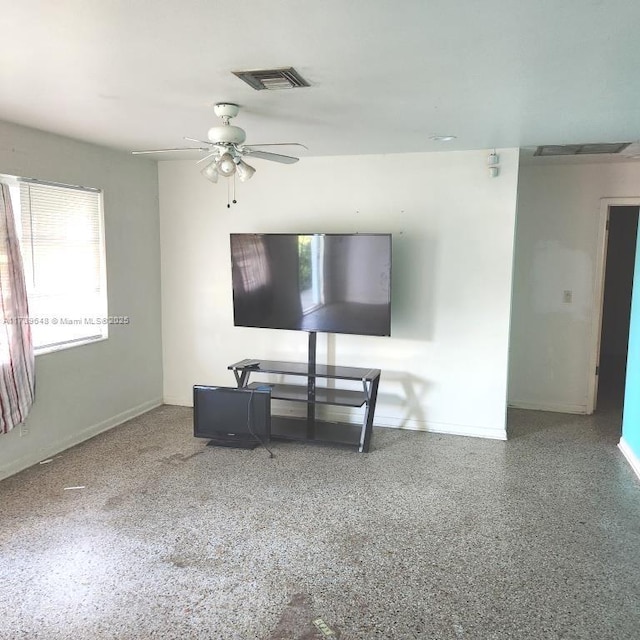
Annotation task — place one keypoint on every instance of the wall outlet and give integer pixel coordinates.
(567, 296)
(24, 430)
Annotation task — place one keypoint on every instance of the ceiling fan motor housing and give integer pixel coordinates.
(226, 110)
(227, 134)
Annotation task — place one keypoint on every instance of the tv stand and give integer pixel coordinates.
(310, 428)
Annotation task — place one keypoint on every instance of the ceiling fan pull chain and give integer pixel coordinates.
(231, 191)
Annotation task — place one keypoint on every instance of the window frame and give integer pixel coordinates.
(101, 329)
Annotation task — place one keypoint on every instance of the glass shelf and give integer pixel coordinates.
(310, 428)
(298, 393)
(302, 369)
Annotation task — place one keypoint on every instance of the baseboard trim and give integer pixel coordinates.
(468, 430)
(580, 409)
(631, 457)
(43, 453)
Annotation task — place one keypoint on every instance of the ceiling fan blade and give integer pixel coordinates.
(267, 155)
(280, 144)
(207, 157)
(198, 141)
(136, 153)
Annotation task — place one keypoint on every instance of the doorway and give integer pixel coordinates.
(616, 306)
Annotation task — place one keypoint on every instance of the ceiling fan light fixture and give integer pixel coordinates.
(225, 147)
(226, 166)
(210, 172)
(245, 171)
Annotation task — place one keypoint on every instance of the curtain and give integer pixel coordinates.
(17, 382)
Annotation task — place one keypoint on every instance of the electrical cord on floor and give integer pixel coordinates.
(251, 431)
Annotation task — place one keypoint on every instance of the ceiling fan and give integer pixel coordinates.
(226, 150)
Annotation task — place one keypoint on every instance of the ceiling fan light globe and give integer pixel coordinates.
(245, 171)
(210, 172)
(226, 166)
(227, 134)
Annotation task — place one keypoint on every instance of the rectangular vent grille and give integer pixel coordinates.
(272, 79)
(581, 149)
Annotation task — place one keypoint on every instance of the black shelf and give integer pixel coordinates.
(298, 393)
(303, 369)
(310, 428)
(289, 428)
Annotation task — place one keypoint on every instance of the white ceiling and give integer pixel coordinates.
(386, 75)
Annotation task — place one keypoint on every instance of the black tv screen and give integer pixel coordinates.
(332, 283)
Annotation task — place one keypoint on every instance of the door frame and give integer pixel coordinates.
(598, 298)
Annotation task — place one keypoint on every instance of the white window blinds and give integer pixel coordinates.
(63, 252)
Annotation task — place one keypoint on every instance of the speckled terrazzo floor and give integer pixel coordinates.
(427, 536)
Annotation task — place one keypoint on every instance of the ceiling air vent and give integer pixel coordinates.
(581, 149)
(272, 79)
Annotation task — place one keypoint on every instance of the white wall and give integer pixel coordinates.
(556, 251)
(445, 366)
(84, 390)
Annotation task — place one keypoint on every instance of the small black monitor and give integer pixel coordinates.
(232, 417)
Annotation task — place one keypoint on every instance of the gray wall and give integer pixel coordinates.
(85, 390)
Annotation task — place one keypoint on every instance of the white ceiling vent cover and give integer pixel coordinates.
(581, 149)
(272, 79)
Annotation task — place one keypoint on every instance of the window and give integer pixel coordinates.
(62, 241)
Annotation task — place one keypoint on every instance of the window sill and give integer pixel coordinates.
(52, 348)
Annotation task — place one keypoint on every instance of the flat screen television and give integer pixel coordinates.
(331, 283)
(232, 417)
